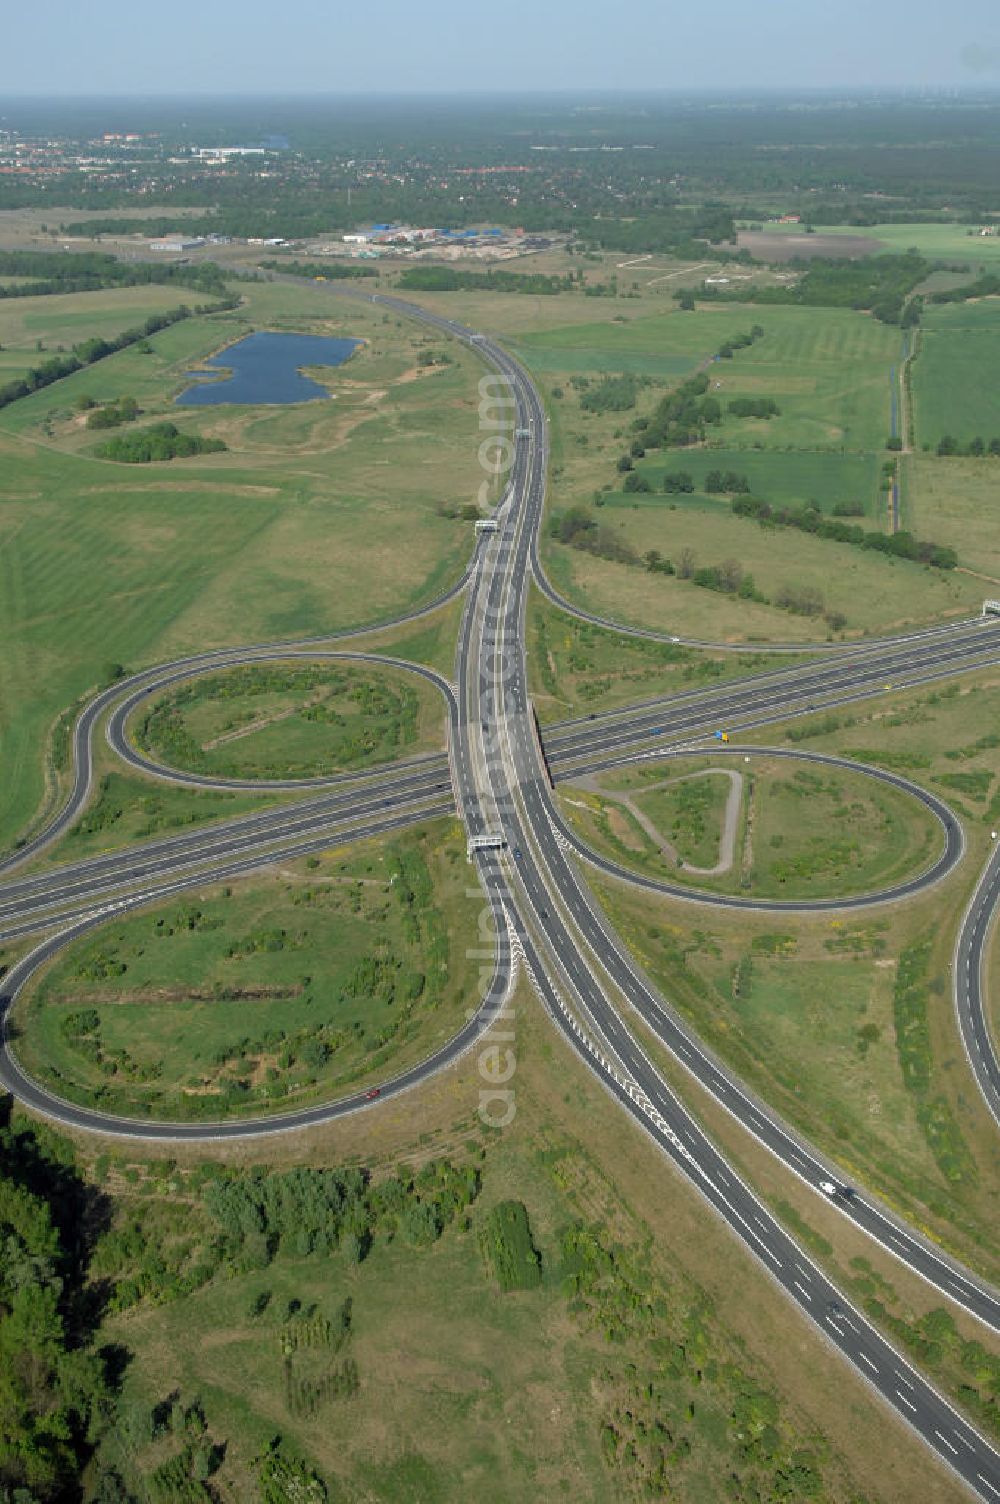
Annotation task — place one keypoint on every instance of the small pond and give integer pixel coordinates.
(265, 368)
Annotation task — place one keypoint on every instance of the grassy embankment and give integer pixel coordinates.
(575, 667)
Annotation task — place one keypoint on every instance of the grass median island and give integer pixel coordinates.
(289, 720)
(577, 666)
(802, 832)
(126, 809)
(259, 998)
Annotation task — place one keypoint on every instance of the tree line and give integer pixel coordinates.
(451, 279)
(327, 271)
(809, 519)
(90, 271)
(880, 285)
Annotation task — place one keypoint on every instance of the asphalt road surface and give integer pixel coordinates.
(546, 917)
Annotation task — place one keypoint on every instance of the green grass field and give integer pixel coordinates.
(803, 832)
(288, 989)
(829, 372)
(828, 369)
(873, 593)
(803, 1009)
(574, 666)
(292, 720)
(957, 502)
(33, 329)
(648, 341)
(955, 373)
(793, 477)
(318, 519)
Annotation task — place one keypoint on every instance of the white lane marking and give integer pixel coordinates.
(865, 1359)
(906, 1400)
(947, 1443)
(989, 1485)
(805, 1292)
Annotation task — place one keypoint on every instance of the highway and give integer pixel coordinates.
(546, 919)
(501, 778)
(574, 748)
(969, 982)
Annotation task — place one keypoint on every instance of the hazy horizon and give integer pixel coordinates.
(55, 50)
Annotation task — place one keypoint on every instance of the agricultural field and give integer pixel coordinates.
(316, 518)
(647, 342)
(863, 592)
(317, 977)
(955, 373)
(782, 477)
(770, 829)
(946, 242)
(957, 502)
(32, 329)
(291, 720)
(512, 316)
(829, 371)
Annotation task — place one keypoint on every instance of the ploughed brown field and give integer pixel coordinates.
(777, 247)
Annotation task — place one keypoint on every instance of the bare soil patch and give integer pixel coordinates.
(768, 247)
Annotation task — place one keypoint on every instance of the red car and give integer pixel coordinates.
(376, 1091)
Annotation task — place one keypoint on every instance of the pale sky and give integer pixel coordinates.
(165, 47)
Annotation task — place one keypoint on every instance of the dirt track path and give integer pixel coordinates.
(730, 819)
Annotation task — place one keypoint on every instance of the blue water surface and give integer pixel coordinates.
(264, 368)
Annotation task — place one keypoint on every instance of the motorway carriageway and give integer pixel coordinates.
(572, 749)
(500, 776)
(541, 901)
